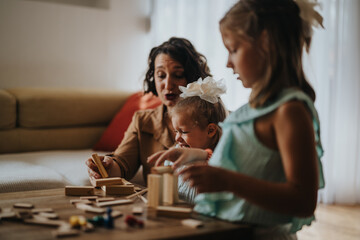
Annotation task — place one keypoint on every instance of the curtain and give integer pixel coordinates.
(198, 21)
(332, 67)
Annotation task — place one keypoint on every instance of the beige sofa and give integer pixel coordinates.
(46, 134)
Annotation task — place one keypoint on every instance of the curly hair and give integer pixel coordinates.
(181, 50)
(287, 36)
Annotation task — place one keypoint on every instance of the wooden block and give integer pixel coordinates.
(115, 202)
(143, 199)
(137, 210)
(118, 189)
(100, 166)
(137, 194)
(105, 199)
(91, 209)
(38, 220)
(24, 214)
(38, 210)
(162, 170)
(8, 215)
(126, 182)
(170, 189)
(65, 231)
(7, 209)
(108, 181)
(74, 201)
(154, 190)
(151, 213)
(170, 211)
(23, 205)
(49, 215)
(79, 190)
(115, 214)
(192, 223)
(89, 198)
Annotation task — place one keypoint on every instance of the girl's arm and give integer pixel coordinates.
(294, 133)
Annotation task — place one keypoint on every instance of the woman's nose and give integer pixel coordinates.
(169, 83)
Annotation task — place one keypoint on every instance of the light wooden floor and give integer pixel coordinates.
(333, 222)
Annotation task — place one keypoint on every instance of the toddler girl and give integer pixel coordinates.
(195, 120)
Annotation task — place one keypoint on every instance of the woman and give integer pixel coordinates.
(172, 64)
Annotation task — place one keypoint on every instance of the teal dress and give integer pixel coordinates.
(240, 150)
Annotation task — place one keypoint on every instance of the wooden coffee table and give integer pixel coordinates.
(157, 228)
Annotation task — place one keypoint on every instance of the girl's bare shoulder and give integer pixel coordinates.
(293, 107)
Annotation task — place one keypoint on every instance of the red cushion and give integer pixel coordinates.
(114, 133)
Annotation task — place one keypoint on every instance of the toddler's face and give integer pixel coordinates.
(188, 134)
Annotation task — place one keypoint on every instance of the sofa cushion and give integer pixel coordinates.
(20, 176)
(114, 133)
(47, 169)
(7, 110)
(28, 139)
(49, 107)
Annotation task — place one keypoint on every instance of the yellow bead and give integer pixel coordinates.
(74, 221)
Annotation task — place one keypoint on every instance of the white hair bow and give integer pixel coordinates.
(309, 15)
(207, 89)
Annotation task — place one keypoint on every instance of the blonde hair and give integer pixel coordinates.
(286, 35)
(202, 113)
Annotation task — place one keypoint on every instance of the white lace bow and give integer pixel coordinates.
(309, 15)
(207, 89)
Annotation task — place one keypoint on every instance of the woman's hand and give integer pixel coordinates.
(207, 178)
(111, 167)
(179, 156)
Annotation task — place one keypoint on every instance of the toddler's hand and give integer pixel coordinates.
(179, 156)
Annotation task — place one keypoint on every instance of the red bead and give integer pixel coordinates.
(131, 220)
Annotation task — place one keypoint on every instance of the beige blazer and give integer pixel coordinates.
(146, 134)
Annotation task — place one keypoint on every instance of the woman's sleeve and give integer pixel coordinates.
(127, 154)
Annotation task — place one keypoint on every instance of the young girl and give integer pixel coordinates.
(195, 120)
(266, 168)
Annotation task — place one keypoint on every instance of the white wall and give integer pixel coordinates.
(54, 44)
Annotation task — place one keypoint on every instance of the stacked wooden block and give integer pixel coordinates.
(162, 185)
(163, 194)
(111, 186)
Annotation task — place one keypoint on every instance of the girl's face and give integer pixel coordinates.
(188, 134)
(244, 58)
(168, 75)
